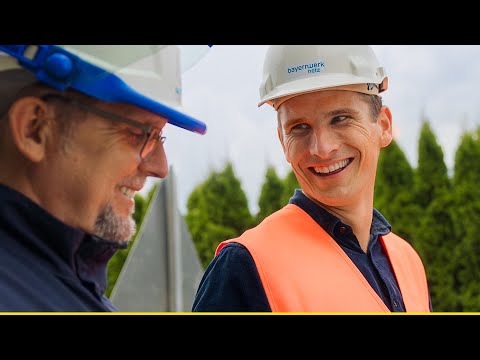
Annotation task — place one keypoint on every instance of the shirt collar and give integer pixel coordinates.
(55, 243)
(329, 222)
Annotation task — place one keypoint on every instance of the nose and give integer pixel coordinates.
(155, 163)
(323, 143)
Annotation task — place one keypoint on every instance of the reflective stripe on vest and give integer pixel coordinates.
(303, 269)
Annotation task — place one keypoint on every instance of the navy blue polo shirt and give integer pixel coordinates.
(46, 265)
(231, 281)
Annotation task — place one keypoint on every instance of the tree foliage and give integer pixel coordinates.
(436, 244)
(431, 178)
(466, 215)
(290, 183)
(393, 192)
(467, 164)
(217, 209)
(394, 175)
(271, 195)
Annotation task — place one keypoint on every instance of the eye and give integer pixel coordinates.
(299, 128)
(135, 136)
(339, 119)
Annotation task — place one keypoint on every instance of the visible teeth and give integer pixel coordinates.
(331, 168)
(127, 191)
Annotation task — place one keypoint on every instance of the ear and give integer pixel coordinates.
(30, 127)
(385, 121)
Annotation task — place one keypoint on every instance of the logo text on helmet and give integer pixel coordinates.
(311, 68)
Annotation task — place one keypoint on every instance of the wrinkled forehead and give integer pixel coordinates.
(315, 99)
(133, 112)
(369, 89)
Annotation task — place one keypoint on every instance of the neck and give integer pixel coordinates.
(13, 177)
(359, 216)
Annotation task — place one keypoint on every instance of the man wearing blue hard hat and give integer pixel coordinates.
(80, 132)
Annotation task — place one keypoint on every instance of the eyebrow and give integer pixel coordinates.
(343, 111)
(113, 116)
(332, 113)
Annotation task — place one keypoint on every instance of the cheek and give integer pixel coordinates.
(103, 173)
(363, 138)
(109, 174)
(297, 148)
(362, 133)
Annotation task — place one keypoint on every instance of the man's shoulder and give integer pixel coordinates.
(396, 242)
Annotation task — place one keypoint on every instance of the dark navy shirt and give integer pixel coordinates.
(46, 265)
(231, 281)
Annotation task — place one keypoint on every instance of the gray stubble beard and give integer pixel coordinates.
(110, 226)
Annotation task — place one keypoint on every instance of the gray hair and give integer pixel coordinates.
(18, 83)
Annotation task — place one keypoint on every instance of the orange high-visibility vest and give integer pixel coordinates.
(303, 269)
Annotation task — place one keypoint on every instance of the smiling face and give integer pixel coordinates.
(89, 179)
(332, 142)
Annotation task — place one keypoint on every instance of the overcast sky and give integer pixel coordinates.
(439, 81)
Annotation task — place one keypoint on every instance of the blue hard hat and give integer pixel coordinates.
(147, 76)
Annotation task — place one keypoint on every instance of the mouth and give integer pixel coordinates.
(331, 169)
(128, 192)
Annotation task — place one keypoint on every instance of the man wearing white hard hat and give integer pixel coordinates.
(80, 132)
(328, 249)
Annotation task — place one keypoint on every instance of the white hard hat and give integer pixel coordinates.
(147, 76)
(291, 70)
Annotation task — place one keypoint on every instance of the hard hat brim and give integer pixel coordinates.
(314, 84)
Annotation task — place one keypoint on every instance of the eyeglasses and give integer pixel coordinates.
(152, 134)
